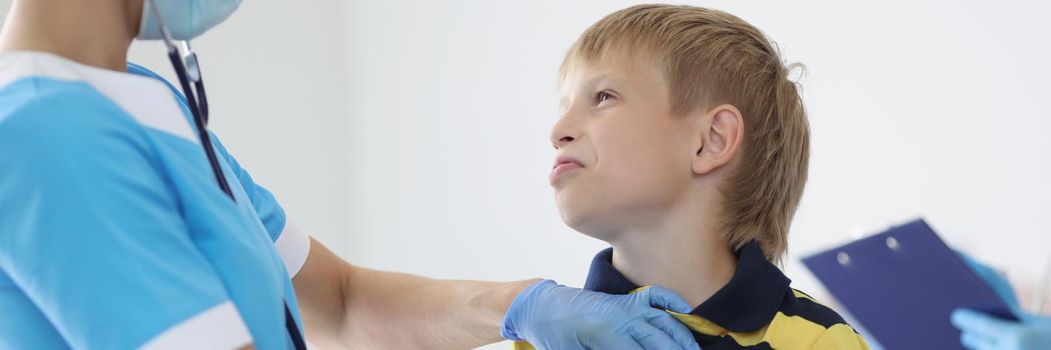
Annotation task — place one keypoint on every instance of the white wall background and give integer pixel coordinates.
(412, 135)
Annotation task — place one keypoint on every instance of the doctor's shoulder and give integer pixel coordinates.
(49, 126)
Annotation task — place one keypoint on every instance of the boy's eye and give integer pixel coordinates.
(602, 96)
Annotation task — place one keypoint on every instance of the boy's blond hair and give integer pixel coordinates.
(710, 57)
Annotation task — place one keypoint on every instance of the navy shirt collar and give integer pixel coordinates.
(746, 303)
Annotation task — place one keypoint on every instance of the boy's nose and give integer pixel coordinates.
(562, 141)
(562, 134)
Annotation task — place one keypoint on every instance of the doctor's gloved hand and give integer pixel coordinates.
(986, 332)
(981, 331)
(551, 316)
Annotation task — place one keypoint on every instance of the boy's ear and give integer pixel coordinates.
(720, 139)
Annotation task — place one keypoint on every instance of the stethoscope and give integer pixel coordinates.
(188, 70)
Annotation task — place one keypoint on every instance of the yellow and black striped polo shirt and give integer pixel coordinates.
(755, 310)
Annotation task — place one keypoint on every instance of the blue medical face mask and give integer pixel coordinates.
(185, 19)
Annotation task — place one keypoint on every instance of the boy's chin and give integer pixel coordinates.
(589, 224)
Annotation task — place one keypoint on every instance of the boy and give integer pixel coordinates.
(684, 145)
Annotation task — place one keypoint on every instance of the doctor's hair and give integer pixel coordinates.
(709, 58)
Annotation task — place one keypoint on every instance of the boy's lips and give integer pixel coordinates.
(563, 165)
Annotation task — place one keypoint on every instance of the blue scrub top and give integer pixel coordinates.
(113, 231)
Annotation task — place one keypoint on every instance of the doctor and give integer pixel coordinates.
(125, 224)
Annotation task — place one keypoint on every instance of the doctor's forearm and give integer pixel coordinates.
(344, 306)
(400, 311)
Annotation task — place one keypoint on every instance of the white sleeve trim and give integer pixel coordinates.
(220, 327)
(294, 246)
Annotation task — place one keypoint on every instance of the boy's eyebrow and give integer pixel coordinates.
(603, 79)
(592, 82)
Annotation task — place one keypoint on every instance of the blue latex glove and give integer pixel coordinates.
(551, 316)
(981, 331)
(984, 332)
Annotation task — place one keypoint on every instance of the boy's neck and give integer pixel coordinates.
(684, 253)
(95, 33)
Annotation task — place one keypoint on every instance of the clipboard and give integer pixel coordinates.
(903, 284)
